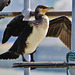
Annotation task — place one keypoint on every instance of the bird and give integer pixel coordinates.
(59, 27)
(4, 3)
(30, 33)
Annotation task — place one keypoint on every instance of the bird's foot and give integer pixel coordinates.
(24, 60)
(31, 67)
(32, 61)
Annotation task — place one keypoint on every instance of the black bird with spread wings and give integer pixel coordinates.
(59, 28)
(30, 33)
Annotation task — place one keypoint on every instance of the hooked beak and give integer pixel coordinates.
(47, 9)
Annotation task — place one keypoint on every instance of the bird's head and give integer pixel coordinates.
(41, 10)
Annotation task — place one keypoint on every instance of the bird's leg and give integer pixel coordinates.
(32, 59)
(23, 59)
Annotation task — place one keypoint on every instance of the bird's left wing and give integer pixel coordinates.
(61, 28)
(19, 45)
(14, 28)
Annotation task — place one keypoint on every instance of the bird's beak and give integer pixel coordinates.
(47, 9)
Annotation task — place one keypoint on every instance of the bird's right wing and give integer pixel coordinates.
(61, 28)
(14, 28)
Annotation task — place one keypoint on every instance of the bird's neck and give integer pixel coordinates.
(38, 16)
(41, 17)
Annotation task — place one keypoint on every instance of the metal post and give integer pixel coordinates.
(26, 12)
(27, 70)
(73, 26)
(72, 68)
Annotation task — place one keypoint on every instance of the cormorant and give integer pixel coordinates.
(30, 33)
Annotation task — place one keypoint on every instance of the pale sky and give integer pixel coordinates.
(63, 5)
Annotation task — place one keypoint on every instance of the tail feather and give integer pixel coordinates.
(9, 55)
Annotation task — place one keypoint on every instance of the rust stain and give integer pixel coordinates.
(16, 13)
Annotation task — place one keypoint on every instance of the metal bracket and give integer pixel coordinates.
(26, 10)
(27, 14)
(70, 56)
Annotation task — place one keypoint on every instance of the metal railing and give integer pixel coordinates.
(43, 64)
(52, 14)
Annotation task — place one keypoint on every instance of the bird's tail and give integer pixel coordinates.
(9, 55)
